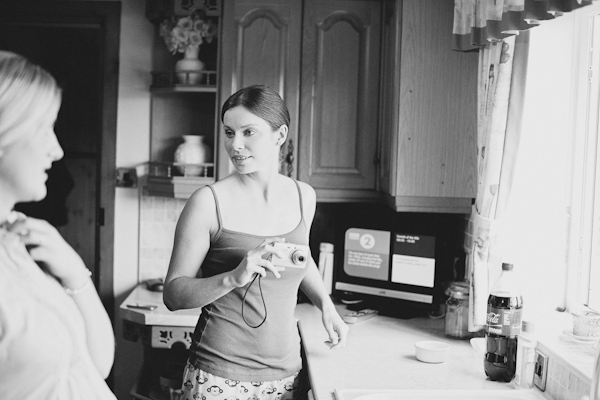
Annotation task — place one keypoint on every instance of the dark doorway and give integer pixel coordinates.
(78, 42)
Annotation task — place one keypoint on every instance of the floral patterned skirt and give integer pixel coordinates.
(200, 385)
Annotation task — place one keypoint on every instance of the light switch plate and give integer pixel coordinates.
(540, 372)
(126, 177)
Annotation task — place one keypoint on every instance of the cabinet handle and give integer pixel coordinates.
(289, 157)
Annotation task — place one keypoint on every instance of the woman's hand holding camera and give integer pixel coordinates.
(47, 246)
(257, 261)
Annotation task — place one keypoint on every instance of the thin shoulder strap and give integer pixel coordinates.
(217, 207)
(300, 198)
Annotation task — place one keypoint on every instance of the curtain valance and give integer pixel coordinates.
(478, 22)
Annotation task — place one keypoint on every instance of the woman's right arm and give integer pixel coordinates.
(183, 288)
(192, 240)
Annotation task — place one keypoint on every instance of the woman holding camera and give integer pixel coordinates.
(231, 257)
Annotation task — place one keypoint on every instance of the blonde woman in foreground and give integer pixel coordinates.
(56, 339)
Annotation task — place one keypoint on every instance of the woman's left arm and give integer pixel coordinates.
(312, 284)
(46, 245)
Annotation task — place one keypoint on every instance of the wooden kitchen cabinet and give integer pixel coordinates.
(381, 108)
(428, 120)
(322, 57)
(261, 45)
(340, 98)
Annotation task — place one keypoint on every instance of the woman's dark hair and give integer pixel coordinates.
(261, 101)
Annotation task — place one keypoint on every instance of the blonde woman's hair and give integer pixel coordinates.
(28, 94)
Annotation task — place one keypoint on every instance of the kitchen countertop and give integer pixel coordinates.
(380, 355)
(160, 315)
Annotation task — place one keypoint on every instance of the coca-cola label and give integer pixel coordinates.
(503, 322)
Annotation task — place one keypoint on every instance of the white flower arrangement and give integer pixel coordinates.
(191, 31)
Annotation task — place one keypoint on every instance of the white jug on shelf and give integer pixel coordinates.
(193, 150)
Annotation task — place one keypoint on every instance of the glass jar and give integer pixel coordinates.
(457, 311)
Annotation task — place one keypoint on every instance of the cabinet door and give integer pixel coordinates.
(340, 94)
(261, 45)
(430, 113)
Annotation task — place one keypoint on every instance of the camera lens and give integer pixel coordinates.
(298, 257)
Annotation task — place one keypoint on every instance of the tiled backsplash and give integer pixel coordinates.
(158, 218)
(564, 383)
(570, 364)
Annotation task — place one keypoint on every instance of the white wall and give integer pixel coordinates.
(133, 129)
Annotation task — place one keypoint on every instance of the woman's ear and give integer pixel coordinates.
(282, 133)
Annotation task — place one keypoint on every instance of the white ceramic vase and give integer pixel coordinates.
(189, 67)
(193, 150)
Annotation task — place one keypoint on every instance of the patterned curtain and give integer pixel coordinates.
(498, 29)
(479, 22)
(502, 70)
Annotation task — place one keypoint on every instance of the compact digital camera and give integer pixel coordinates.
(294, 255)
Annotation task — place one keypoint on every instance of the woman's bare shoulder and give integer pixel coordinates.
(200, 210)
(224, 186)
(308, 192)
(202, 198)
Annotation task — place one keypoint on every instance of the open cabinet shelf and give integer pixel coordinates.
(170, 179)
(183, 103)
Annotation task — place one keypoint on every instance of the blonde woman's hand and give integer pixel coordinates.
(257, 261)
(47, 246)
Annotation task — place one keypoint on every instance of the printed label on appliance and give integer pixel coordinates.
(502, 321)
(418, 271)
(413, 260)
(367, 253)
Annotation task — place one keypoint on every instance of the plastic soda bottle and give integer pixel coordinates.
(503, 325)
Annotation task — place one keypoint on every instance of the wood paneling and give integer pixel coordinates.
(438, 106)
(429, 126)
(340, 94)
(261, 45)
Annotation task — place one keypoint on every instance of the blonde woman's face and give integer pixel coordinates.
(25, 162)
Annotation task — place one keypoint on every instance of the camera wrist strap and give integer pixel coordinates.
(262, 298)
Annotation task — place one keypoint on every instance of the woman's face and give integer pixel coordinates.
(23, 163)
(250, 141)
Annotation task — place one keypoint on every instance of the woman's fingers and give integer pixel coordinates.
(266, 265)
(265, 252)
(33, 232)
(46, 245)
(259, 261)
(270, 246)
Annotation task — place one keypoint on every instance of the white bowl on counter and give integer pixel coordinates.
(431, 351)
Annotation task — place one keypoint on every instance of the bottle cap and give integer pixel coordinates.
(507, 267)
(326, 247)
(528, 326)
(460, 288)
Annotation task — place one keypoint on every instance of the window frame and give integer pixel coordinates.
(583, 285)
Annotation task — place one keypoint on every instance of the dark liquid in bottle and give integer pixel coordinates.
(501, 351)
